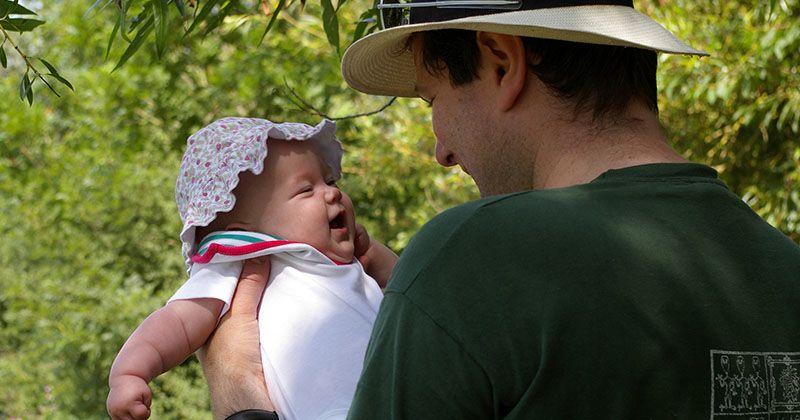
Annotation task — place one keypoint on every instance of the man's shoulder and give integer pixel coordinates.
(480, 231)
(499, 212)
(541, 209)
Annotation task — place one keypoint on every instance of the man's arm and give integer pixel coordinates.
(414, 369)
(231, 358)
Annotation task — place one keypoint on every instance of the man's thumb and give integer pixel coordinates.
(252, 282)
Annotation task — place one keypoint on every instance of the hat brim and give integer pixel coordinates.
(380, 63)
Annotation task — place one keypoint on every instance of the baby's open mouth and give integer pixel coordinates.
(338, 222)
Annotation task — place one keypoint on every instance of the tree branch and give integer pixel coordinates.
(307, 107)
(21, 54)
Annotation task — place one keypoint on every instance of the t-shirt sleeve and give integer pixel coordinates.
(217, 281)
(415, 370)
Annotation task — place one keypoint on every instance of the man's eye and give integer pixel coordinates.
(331, 182)
(305, 190)
(429, 102)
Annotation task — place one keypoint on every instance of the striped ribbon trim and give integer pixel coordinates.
(240, 243)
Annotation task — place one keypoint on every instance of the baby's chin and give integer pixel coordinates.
(341, 252)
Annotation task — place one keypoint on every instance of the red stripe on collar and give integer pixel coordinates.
(216, 248)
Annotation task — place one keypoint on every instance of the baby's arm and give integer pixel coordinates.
(164, 340)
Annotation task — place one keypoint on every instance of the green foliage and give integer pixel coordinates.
(87, 217)
(739, 110)
(155, 21)
(90, 232)
(9, 22)
(156, 16)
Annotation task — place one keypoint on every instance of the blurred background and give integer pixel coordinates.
(88, 226)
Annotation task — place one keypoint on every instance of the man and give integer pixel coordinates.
(600, 276)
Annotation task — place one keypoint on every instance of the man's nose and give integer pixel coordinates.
(444, 156)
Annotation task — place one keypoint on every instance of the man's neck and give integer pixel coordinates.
(578, 153)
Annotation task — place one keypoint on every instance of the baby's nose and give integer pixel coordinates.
(333, 194)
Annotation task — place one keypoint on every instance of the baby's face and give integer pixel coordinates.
(296, 198)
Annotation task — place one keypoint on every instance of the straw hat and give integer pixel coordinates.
(379, 63)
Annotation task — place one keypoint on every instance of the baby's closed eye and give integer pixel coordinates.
(304, 189)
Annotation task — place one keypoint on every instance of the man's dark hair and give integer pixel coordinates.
(598, 78)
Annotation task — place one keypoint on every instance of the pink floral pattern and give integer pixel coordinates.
(216, 155)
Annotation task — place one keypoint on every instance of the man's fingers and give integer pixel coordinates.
(252, 282)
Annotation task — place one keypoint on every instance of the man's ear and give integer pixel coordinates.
(503, 62)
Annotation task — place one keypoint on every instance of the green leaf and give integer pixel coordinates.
(25, 90)
(787, 109)
(359, 32)
(364, 21)
(49, 86)
(772, 6)
(63, 81)
(181, 8)
(160, 19)
(201, 16)
(139, 19)
(330, 23)
(54, 73)
(20, 25)
(94, 5)
(30, 92)
(49, 66)
(23, 86)
(8, 7)
(111, 38)
(219, 18)
(137, 41)
(122, 20)
(3, 59)
(272, 19)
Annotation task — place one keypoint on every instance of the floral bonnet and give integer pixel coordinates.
(219, 152)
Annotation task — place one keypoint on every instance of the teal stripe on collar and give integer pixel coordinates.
(241, 236)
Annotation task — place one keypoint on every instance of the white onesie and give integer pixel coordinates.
(315, 318)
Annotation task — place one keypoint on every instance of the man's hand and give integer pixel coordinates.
(231, 358)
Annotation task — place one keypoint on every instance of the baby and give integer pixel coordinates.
(248, 188)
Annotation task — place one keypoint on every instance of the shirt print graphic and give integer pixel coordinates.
(755, 385)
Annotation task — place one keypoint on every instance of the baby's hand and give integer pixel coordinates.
(378, 260)
(129, 398)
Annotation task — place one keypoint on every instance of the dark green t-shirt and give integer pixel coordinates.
(651, 292)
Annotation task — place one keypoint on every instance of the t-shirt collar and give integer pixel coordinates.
(655, 171)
